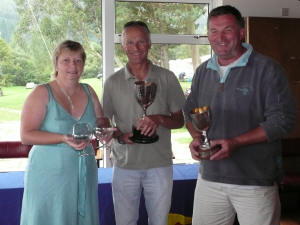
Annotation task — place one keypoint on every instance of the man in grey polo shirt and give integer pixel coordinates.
(142, 166)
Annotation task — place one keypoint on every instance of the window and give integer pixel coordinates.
(29, 32)
(161, 17)
(32, 28)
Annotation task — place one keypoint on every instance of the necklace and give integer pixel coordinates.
(67, 96)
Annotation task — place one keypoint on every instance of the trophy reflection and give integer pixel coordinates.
(145, 94)
(201, 120)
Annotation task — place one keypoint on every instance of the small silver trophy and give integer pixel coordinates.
(201, 120)
(145, 94)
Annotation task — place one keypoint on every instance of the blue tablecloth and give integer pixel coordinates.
(11, 192)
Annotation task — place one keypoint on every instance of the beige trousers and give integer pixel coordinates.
(218, 203)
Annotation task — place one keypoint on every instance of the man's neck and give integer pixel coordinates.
(140, 70)
(225, 61)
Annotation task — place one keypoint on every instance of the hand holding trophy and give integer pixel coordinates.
(103, 130)
(145, 94)
(201, 119)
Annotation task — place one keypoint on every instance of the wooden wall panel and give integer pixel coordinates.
(279, 38)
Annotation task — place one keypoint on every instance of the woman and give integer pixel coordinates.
(60, 185)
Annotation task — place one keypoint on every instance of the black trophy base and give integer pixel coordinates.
(143, 139)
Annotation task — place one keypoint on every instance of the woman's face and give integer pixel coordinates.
(69, 65)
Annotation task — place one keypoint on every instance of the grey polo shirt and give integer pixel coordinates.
(119, 102)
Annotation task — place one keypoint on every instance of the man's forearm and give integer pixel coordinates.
(192, 130)
(254, 136)
(173, 121)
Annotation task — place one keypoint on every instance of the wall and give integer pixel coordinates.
(265, 8)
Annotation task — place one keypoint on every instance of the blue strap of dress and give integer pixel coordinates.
(82, 185)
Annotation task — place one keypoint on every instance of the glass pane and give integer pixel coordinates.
(181, 59)
(29, 32)
(164, 18)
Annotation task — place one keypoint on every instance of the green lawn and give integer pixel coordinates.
(13, 98)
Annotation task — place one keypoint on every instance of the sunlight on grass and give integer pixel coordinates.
(14, 97)
(9, 115)
(184, 140)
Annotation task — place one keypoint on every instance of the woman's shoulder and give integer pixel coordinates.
(40, 91)
(87, 87)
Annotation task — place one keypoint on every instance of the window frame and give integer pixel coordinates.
(108, 26)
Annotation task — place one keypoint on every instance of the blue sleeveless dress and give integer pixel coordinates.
(60, 186)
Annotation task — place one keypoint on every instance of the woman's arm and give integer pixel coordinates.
(32, 116)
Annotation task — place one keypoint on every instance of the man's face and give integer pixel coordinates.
(136, 44)
(225, 36)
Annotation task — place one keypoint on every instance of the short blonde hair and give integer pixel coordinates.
(67, 44)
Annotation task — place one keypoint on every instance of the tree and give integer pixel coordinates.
(16, 68)
(8, 19)
(165, 18)
(45, 23)
(6, 64)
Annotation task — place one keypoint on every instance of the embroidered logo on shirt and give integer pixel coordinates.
(244, 90)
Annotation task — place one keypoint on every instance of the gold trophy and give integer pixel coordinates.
(201, 119)
(145, 94)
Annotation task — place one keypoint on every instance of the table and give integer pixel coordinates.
(11, 192)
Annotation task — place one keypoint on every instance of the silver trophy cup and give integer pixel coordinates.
(145, 92)
(201, 119)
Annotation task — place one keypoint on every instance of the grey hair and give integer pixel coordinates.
(135, 24)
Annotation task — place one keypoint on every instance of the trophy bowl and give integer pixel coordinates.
(201, 119)
(81, 132)
(145, 92)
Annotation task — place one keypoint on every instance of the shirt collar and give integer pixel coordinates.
(129, 75)
(242, 61)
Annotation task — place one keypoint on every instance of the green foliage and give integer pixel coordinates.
(8, 19)
(17, 68)
(164, 18)
(45, 23)
(92, 68)
(6, 64)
